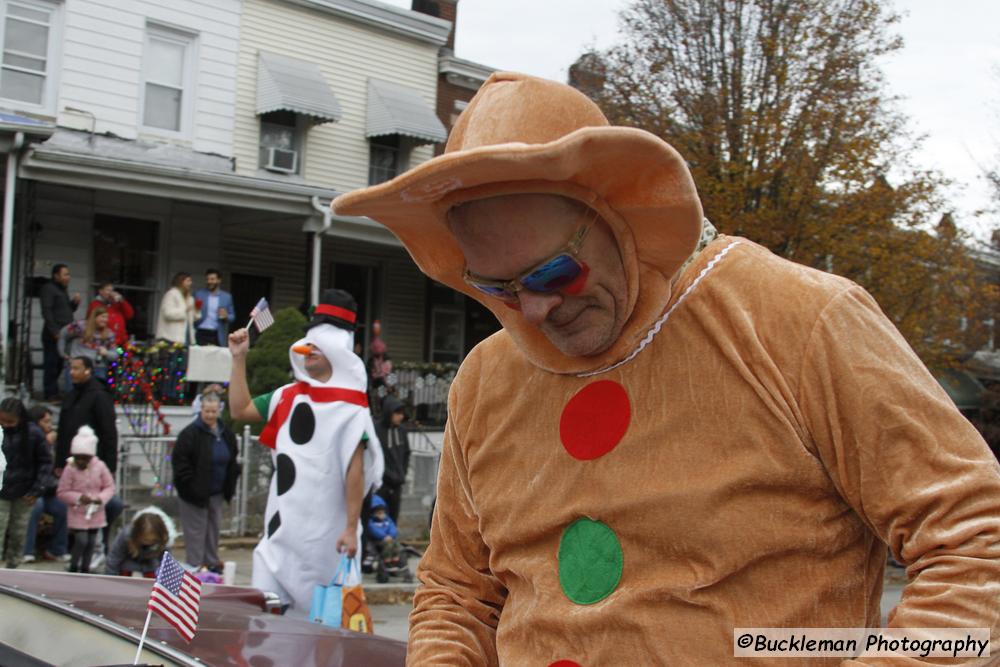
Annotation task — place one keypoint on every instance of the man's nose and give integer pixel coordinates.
(536, 306)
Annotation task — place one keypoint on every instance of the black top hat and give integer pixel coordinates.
(335, 307)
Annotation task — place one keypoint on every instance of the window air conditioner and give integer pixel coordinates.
(279, 159)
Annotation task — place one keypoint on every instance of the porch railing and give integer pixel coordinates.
(423, 388)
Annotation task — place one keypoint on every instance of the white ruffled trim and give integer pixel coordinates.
(655, 329)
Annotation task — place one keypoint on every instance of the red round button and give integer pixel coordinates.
(595, 420)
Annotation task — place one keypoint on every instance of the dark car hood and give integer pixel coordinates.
(233, 628)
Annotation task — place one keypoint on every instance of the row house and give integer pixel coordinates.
(147, 138)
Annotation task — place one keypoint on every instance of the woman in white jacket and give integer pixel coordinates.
(177, 312)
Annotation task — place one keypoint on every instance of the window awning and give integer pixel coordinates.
(396, 109)
(290, 84)
(963, 389)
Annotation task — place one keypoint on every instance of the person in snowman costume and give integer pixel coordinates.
(326, 454)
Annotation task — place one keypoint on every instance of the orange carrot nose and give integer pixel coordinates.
(305, 350)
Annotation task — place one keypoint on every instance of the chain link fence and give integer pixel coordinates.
(145, 477)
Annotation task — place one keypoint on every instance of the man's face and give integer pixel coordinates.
(105, 292)
(212, 281)
(63, 277)
(318, 366)
(502, 237)
(397, 417)
(78, 373)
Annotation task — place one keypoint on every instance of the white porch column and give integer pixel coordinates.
(8, 249)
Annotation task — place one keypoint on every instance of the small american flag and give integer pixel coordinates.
(176, 597)
(261, 315)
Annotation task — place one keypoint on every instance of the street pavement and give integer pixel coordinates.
(391, 603)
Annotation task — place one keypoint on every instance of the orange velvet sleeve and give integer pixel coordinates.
(908, 462)
(457, 607)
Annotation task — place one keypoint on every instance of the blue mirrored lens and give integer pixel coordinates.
(554, 274)
(494, 291)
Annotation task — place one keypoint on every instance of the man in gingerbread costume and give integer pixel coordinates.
(676, 433)
(326, 453)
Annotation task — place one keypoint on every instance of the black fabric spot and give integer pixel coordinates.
(302, 425)
(286, 473)
(273, 524)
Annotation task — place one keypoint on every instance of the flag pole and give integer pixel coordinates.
(142, 640)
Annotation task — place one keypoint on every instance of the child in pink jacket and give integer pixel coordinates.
(85, 487)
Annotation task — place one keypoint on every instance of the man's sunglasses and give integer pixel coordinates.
(561, 271)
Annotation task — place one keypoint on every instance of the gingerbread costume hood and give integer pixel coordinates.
(522, 134)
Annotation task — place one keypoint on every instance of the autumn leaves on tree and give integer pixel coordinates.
(781, 110)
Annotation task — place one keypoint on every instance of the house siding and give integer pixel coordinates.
(348, 53)
(102, 66)
(402, 302)
(282, 256)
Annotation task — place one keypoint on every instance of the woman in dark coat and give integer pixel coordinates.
(205, 474)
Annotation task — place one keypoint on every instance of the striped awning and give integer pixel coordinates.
(289, 84)
(396, 109)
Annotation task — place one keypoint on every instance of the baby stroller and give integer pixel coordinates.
(384, 555)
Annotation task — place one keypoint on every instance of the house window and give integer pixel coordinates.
(125, 252)
(167, 87)
(280, 144)
(28, 51)
(385, 159)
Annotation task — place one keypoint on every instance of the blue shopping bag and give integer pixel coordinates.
(329, 602)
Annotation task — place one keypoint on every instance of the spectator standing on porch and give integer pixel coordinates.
(175, 322)
(119, 310)
(91, 338)
(215, 309)
(57, 311)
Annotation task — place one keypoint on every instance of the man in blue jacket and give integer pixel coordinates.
(215, 309)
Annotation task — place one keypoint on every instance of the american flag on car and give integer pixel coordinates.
(176, 597)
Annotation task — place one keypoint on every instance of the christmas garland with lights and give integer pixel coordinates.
(146, 377)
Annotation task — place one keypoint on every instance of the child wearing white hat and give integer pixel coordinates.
(85, 487)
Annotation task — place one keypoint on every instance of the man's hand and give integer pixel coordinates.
(57, 472)
(223, 314)
(239, 343)
(348, 542)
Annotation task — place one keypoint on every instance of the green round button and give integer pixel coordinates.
(590, 561)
